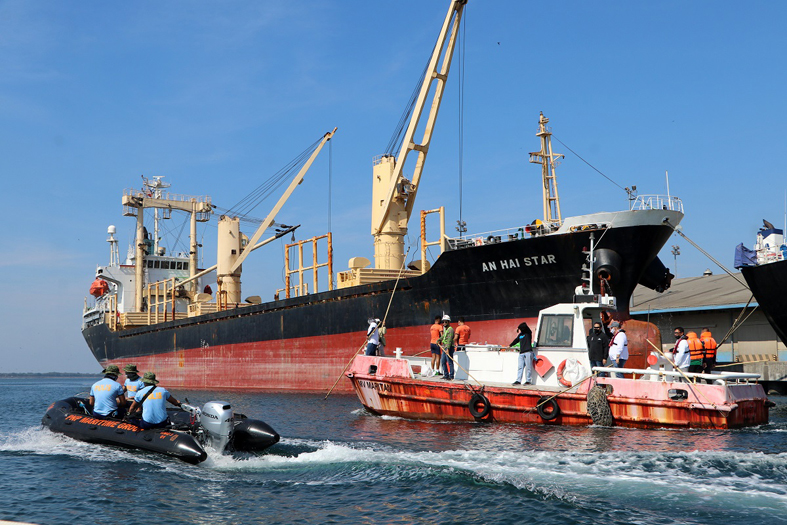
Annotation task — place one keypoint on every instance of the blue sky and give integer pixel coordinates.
(217, 96)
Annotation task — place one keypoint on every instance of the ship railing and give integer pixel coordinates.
(720, 378)
(657, 202)
(161, 301)
(166, 196)
(496, 236)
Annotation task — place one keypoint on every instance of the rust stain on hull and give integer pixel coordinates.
(416, 399)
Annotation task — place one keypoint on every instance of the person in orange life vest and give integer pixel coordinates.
(436, 330)
(618, 347)
(710, 350)
(152, 400)
(461, 335)
(106, 396)
(696, 352)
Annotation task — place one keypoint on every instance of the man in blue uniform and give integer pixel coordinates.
(153, 400)
(106, 396)
(133, 382)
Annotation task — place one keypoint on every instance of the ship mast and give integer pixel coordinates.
(548, 161)
(134, 204)
(393, 194)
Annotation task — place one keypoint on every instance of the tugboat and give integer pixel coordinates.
(192, 430)
(158, 310)
(565, 390)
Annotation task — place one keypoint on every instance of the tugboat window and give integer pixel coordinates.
(556, 330)
(156, 264)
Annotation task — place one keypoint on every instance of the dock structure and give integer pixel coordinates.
(719, 302)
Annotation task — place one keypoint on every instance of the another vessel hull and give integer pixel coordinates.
(768, 283)
(304, 344)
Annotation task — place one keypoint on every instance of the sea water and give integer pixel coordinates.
(336, 463)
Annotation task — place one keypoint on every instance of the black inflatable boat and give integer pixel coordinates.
(191, 431)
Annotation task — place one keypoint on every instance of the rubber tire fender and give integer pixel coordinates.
(473, 404)
(547, 401)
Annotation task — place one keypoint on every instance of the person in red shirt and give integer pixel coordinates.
(461, 335)
(436, 331)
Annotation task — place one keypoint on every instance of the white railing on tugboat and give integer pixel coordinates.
(720, 378)
(657, 202)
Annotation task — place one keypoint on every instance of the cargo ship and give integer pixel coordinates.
(159, 310)
(765, 271)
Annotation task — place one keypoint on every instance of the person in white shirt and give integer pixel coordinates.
(372, 337)
(681, 354)
(618, 347)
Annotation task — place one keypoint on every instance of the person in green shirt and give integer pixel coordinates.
(447, 347)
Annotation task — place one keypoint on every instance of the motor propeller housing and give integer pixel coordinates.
(218, 421)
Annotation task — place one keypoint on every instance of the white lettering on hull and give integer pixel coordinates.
(535, 260)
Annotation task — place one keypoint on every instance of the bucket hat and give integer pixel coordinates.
(149, 378)
(112, 369)
(131, 369)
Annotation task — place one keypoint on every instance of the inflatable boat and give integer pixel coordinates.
(191, 431)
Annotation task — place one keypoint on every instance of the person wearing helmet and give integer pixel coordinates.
(372, 337)
(447, 347)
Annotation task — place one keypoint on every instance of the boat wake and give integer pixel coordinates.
(685, 481)
(688, 482)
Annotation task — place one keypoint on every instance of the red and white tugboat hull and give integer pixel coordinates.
(653, 397)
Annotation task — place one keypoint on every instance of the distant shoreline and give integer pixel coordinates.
(32, 375)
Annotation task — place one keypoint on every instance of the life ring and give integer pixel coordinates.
(473, 406)
(547, 408)
(560, 368)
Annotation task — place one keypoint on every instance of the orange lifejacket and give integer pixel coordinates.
(695, 347)
(710, 345)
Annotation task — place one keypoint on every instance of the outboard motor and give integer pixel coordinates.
(217, 421)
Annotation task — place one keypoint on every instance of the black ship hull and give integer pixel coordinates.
(768, 283)
(303, 344)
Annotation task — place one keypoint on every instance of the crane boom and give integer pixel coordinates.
(395, 199)
(272, 215)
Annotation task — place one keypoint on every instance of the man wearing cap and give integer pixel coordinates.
(618, 348)
(447, 346)
(106, 396)
(681, 354)
(133, 383)
(153, 399)
(372, 337)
